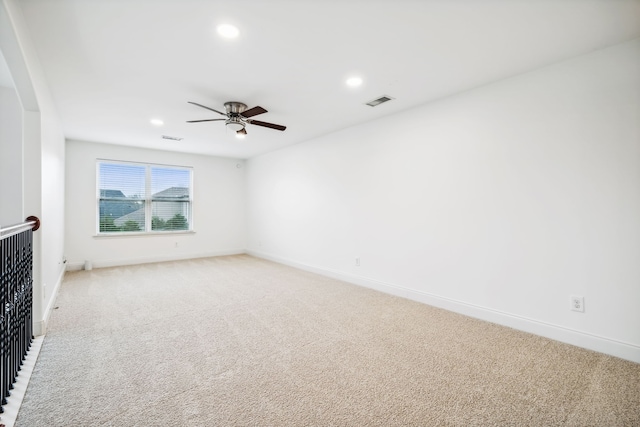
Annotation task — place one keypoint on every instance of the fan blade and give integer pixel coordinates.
(253, 112)
(206, 120)
(224, 114)
(267, 125)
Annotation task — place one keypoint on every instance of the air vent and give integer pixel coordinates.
(379, 101)
(173, 138)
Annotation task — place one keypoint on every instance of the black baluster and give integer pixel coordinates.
(4, 280)
(16, 306)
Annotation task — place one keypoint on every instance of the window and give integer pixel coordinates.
(138, 198)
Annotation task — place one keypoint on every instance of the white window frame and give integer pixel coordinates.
(148, 199)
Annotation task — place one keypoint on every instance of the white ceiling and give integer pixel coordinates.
(112, 65)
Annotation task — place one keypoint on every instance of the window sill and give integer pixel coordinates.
(143, 234)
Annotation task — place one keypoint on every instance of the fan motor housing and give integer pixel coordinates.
(235, 108)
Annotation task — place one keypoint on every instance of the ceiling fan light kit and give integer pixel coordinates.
(238, 117)
(235, 124)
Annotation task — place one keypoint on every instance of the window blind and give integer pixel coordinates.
(142, 198)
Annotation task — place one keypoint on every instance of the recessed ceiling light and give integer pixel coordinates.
(354, 81)
(228, 31)
(156, 122)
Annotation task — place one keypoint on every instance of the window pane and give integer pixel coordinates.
(121, 215)
(170, 184)
(170, 215)
(121, 206)
(122, 181)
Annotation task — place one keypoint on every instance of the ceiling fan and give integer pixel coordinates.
(237, 117)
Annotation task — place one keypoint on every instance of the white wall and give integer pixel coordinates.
(218, 209)
(499, 202)
(10, 157)
(53, 207)
(42, 146)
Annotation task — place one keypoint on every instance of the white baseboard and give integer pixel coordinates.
(14, 401)
(40, 326)
(593, 342)
(75, 266)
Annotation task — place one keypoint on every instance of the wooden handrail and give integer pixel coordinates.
(32, 222)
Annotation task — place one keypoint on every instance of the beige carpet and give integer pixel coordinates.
(239, 341)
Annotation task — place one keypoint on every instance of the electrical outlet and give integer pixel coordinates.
(357, 262)
(577, 303)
